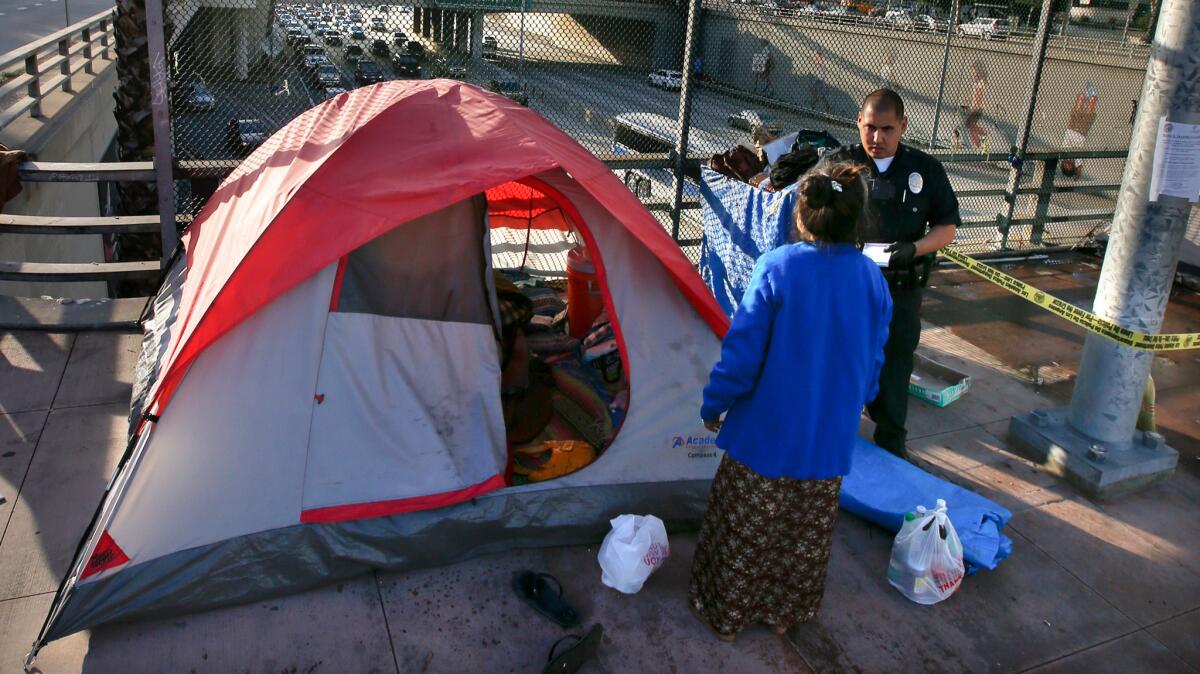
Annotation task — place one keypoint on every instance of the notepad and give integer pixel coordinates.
(877, 253)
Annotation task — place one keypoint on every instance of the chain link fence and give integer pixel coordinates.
(610, 74)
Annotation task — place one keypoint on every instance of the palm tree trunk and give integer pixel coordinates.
(135, 133)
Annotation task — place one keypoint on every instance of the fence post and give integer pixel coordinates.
(164, 163)
(34, 88)
(87, 51)
(104, 37)
(1045, 191)
(685, 113)
(64, 50)
(1035, 79)
(937, 110)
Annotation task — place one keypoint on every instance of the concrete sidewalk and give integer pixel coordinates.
(1089, 587)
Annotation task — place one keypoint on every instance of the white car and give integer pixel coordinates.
(666, 79)
(985, 28)
(900, 19)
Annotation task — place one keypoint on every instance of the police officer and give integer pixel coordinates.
(913, 208)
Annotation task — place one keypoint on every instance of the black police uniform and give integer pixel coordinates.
(913, 195)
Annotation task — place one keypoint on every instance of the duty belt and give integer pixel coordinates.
(907, 278)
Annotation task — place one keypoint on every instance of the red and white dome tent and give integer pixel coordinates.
(322, 378)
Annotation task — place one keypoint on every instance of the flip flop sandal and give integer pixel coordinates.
(580, 652)
(536, 590)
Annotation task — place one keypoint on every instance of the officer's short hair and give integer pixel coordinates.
(884, 100)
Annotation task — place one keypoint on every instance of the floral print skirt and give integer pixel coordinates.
(763, 549)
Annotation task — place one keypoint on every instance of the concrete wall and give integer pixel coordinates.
(76, 128)
(608, 40)
(830, 68)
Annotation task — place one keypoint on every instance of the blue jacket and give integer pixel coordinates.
(800, 360)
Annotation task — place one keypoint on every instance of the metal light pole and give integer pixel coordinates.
(1035, 80)
(521, 46)
(683, 126)
(937, 109)
(1093, 440)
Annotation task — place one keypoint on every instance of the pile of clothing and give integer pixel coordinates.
(777, 162)
(564, 398)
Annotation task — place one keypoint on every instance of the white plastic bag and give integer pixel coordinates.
(926, 564)
(633, 550)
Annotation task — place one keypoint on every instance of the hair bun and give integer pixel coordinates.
(817, 190)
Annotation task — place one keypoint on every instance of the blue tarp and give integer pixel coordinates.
(881, 487)
(742, 222)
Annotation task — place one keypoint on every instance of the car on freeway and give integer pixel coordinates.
(368, 72)
(899, 18)
(666, 79)
(416, 49)
(510, 88)
(329, 75)
(985, 29)
(930, 23)
(747, 120)
(454, 67)
(195, 95)
(380, 48)
(378, 24)
(333, 36)
(399, 38)
(247, 134)
(357, 32)
(330, 92)
(406, 65)
(314, 61)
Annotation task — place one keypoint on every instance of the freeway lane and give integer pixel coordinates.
(24, 21)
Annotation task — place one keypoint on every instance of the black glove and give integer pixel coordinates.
(903, 253)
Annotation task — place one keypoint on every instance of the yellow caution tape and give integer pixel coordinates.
(1084, 319)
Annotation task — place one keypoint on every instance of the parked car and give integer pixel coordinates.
(368, 72)
(511, 89)
(333, 36)
(490, 48)
(194, 95)
(378, 24)
(330, 92)
(380, 48)
(357, 32)
(406, 65)
(985, 28)
(296, 36)
(666, 79)
(247, 134)
(329, 75)
(747, 120)
(399, 38)
(416, 49)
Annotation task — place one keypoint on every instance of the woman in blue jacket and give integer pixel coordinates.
(800, 360)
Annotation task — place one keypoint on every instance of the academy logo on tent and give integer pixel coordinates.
(106, 556)
(698, 446)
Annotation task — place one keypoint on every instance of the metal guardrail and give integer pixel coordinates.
(32, 72)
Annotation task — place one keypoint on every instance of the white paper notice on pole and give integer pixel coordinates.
(1176, 161)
